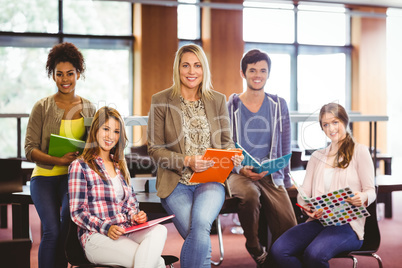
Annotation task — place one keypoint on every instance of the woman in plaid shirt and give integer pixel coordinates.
(102, 203)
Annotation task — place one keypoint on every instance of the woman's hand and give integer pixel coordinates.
(358, 200)
(247, 171)
(315, 214)
(237, 159)
(139, 218)
(66, 159)
(115, 232)
(197, 164)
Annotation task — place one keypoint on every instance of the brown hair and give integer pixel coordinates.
(92, 148)
(345, 151)
(65, 52)
(254, 56)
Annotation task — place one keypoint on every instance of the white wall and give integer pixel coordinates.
(394, 88)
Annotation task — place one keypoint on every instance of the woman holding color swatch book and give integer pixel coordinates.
(343, 163)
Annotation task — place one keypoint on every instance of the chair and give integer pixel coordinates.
(139, 162)
(372, 239)
(76, 257)
(15, 253)
(229, 206)
(296, 162)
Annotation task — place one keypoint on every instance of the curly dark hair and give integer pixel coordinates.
(65, 52)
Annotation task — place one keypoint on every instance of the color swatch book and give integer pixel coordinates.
(147, 224)
(220, 170)
(59, 145)
(270, 165)
(336, 210)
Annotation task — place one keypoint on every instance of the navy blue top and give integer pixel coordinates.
(256, 134)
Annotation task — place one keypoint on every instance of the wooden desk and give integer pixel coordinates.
(386, 185)
(149, 202)
(20, 211)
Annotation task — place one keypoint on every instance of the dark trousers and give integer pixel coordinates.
(257, 195)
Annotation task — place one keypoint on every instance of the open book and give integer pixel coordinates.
(220, 170)
(270, 165)
(336, 211)
(147, 224)
(59, 145)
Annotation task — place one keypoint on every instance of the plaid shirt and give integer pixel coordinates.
(93, 203)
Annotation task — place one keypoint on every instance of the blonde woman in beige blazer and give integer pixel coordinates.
(184, 121)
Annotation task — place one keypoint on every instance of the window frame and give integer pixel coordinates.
(83, 41)
(295, 49)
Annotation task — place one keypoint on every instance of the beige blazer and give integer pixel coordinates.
(166, 137)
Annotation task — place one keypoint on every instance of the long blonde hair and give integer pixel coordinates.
(206, 84)
(345, 151)
(92, 147)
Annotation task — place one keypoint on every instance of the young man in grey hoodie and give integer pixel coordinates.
(261, 125)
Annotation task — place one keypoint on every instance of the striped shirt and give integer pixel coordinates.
(94, 206)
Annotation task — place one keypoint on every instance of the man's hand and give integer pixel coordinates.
(247, 171)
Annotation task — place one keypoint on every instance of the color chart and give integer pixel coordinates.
(336, 210)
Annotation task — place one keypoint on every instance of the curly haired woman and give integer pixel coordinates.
(62, 114)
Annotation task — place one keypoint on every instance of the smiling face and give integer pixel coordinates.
(256, 75)
(65, 75)
(108, 135)
(191, 73)
(333, 127)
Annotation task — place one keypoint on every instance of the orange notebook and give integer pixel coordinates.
(220, 171)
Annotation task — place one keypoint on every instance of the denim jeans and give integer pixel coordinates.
(195, 208)
(48, 195)
(313, 245)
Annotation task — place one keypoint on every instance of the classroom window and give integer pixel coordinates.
(271, 23)
(322, 25)
(188, 20)
(107, 51)
(97, 17)
(310, 65)
(29, 16)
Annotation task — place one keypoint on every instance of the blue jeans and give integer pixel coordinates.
(195, 208)
(48, 195)
(312, 245)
